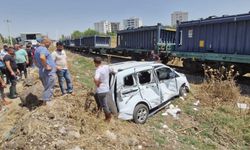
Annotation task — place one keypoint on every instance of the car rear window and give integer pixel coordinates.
(128, 80)
(144, 77)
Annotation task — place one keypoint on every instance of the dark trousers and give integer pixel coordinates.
(13, 82)
(102, 98)
(30, 62)
(99, 107)
(4, 71)
(22, 68)
(104, 101)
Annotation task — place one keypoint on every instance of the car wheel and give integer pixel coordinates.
(140, 114)
(183, 90)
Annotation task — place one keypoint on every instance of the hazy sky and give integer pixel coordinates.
(56, 17)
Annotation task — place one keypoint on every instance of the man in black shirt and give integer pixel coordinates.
(11, 71)
(29, 52)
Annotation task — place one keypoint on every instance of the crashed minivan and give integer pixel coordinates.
(139, 89)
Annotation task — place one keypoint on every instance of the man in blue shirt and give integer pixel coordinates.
(47, 69)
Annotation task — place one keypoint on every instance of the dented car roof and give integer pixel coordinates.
(132, 64)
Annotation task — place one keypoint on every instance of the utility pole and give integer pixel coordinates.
(8, 25)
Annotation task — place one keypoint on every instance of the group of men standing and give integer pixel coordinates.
(51, 65)
(14, 62)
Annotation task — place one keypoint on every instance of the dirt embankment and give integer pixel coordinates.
(68, 122)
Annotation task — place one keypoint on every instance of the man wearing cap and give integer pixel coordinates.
(60, 58)
(47, 69)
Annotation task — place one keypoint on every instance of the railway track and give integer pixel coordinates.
(106, 57)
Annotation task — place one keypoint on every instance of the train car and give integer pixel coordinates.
(88, 43)
(144, 39)
(215, 40)
(96, 41)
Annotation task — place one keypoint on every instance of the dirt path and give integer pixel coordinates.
(10, 115)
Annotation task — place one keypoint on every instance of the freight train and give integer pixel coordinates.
(214, 40)
(137, 43)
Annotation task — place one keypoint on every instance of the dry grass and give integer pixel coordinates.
(219, 92)
(219, 86)
(217, 123)
(38, 130)
(221, 127)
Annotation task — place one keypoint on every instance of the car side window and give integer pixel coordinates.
(144, 77)
(163, 74)
(128, 80)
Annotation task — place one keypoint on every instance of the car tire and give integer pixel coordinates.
(140, 114)
(183, 90)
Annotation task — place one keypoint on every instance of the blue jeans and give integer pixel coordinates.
(48, 79)
(64, 74)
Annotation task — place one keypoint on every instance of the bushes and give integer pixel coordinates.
(219, 86)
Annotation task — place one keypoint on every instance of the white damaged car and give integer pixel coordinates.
(139, 89)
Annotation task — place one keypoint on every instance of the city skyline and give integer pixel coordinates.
(63, 17)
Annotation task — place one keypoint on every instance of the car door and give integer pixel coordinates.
(148, 86)
(127, 89)
(167, 82)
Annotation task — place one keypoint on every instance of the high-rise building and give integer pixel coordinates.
(132, 23)
(115, 26)
(178, 16)
(103, 27)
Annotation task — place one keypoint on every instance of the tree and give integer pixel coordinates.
(14, 41)
(1, 37)
(62, 38)
(4, 40)
(90, 32)
(76, 34)
(111, 33)
(1, 41)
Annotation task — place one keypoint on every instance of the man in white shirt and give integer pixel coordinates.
(3, 52)
(60, 58)
(101, 80)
